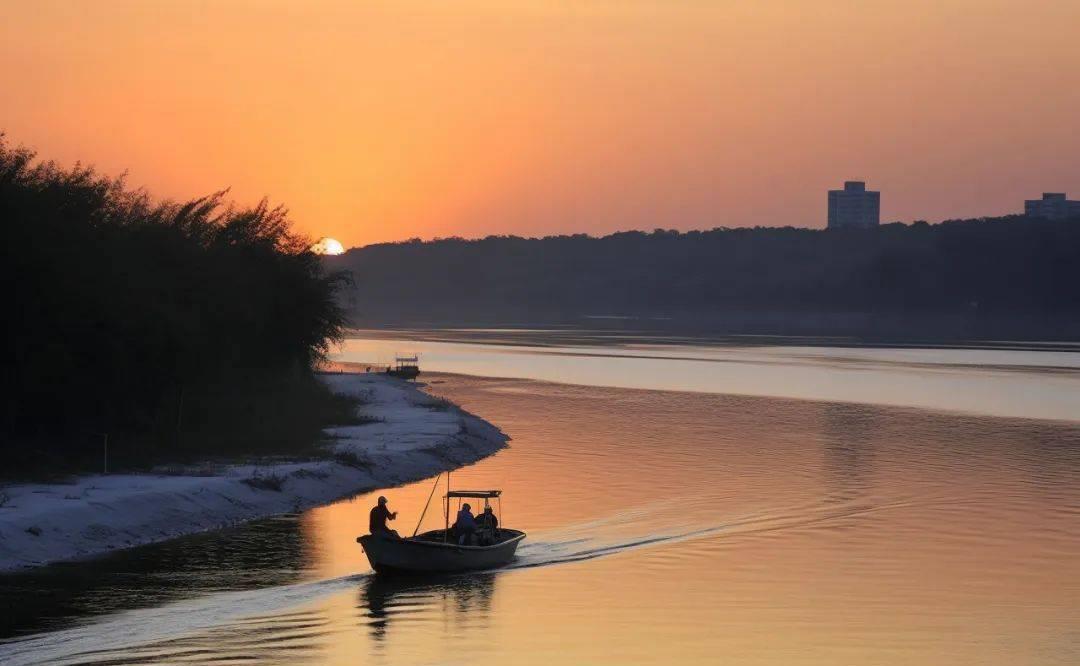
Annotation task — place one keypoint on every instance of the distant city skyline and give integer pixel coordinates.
(382, 121)
(1052, 205)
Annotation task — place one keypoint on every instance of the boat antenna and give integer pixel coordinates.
(424, 512)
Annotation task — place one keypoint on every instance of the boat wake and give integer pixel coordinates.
(621, 532)
(128, 633)
(100, 640)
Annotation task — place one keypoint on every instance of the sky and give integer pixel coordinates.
(377, 121)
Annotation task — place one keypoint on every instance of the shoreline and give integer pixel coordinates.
(408, 435)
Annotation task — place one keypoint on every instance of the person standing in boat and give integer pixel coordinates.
(465, 525)
(379, 515)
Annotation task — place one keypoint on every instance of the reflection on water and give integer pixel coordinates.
(847, 441)
(1022, 383)
(384, 601)
(664, 527)
(268, 552)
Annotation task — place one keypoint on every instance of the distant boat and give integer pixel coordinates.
(437, 551)
(405, 367)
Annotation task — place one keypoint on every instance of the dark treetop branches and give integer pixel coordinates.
(120, 306)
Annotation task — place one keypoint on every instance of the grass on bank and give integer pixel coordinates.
(213, 425)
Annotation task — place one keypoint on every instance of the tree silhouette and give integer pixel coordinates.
(123, 312)
(984, 277)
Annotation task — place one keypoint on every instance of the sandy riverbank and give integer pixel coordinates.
(410, 435)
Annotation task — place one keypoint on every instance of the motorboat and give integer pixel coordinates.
(442, 551)
(405, 367)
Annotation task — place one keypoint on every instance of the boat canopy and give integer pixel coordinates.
(474, 494)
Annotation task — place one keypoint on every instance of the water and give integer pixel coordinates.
(664, 527)
(995, 379)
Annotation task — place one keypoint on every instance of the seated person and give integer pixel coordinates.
(465, 525)
(487, 519)
(487, 527)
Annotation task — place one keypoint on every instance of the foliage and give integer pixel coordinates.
(268, 481)
(761, 280)
(137, 317)
(351, 458)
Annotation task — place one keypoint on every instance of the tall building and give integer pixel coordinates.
(1052, 206)
(854, 207)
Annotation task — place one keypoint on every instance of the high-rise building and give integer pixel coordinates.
(1052, 206)
(854, 207)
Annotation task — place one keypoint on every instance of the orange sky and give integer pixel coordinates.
(379, 121)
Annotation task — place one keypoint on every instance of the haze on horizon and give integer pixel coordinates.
(376, 121)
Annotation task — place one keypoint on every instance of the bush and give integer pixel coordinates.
(153, 321)
(352, 459)
(269, 481)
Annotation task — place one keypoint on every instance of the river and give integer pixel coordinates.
(685, 503)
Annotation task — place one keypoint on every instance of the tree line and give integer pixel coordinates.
(171, 325)
(980, 277)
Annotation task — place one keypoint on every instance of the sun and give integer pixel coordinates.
(327, 246)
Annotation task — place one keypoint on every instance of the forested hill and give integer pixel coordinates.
(985, 277)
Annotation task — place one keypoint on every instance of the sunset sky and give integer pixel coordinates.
(377, 121)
